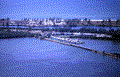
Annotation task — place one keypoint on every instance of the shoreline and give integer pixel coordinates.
(20, 34)
(7, 35)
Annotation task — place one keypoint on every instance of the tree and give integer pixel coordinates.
(17, 27)
(111, 31)
(25, 19)
(8, 19)
(116, 35)
(109, 22)
(89, 22)
(85, 22)
(72, 22)
(117, 21)
(29, 28)
(3, 25)
(85, 19)
(103, 22)
(40, 22)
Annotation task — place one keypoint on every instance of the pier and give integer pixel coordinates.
(76, 41)
(113, 55)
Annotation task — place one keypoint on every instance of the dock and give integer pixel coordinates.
(95, 51)
(69, 40)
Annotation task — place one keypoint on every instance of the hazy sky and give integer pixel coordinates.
(93, 9)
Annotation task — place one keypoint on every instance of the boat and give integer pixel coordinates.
(76, 41)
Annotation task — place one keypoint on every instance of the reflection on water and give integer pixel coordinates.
(35, 57)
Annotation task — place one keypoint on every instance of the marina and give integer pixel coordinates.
(114, 55)
(59, 38)
(76, 41)
(49, 58)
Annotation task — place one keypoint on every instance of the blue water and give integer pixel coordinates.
(36, 58)
(110, 46)
(102, 45)
(97, 27)
(86, 27)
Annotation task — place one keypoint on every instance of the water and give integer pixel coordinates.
(102, 45)
(36, 58)
(86, 27)
(97, 27)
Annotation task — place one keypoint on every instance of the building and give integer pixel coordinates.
(3, 22)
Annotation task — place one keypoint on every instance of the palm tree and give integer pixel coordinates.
(103, 22)
(3, 25)
(89, 22)
(85, 19)
(8, 19)
(17, 26)
(117, 22)
(109, 22)
(85, 22)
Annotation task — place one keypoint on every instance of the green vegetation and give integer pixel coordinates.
(6, 34)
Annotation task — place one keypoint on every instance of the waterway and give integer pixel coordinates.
(40, 58)
(79, 27)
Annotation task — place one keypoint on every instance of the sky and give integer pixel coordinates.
(91, 9)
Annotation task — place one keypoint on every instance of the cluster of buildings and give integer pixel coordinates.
(34, 22)
(60, 22)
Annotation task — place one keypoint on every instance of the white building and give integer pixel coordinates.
(47, 22)
(32, 23)
(62, 22)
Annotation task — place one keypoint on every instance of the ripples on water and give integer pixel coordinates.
(35, 57)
